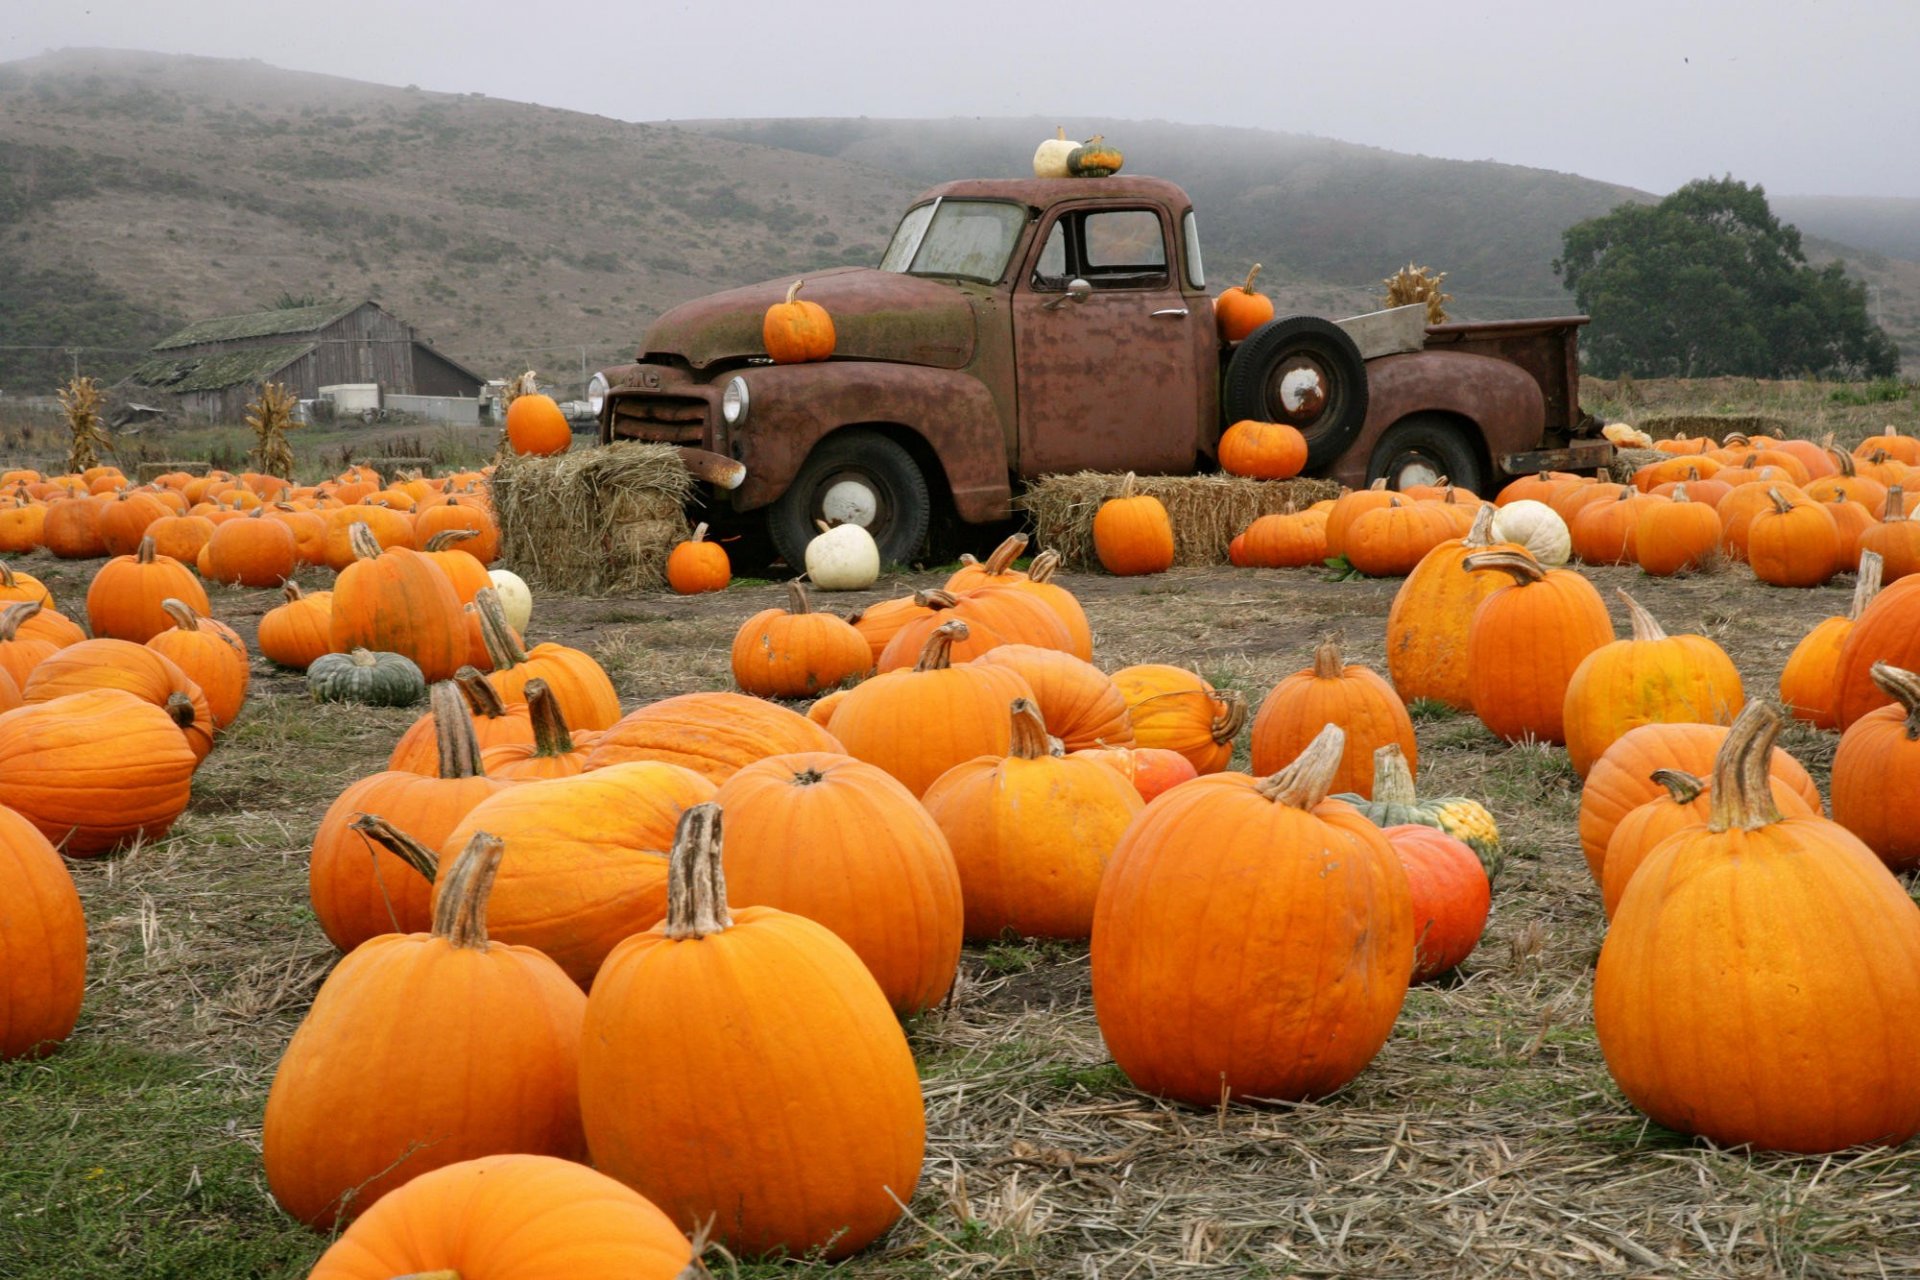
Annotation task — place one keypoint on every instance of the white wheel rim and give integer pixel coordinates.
(1299, 388)
(850, 502)
(1416, 473)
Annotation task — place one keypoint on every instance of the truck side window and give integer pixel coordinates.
(1051, 271)
(1109, 248)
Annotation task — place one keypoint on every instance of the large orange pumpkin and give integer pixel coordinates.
(1175, 708)
(1876, 772)
(1132, 533)
(211, 655)
(1253, 938)
(1263, 450)
(124, 600)
(1526, 641)
(1330, 691)
(1432, 613)
(797, 653)
(146, 673)
(536, 426)
(475, 1046)
(43, 942)
(397, 601)
(713, 734)
(1753, 955)
(785, 1108)
(95, 769)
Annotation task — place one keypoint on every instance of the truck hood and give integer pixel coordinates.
(877, 315)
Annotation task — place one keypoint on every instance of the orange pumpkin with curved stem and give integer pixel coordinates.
(1847, 482)
(1887, 630)
(1684, 804)
(1876, 771)
(541, 1213)
(1896, 539)
(1793, 544)
(21, 651)
(476, 1046)
(995, 571)
(211, 654)
(813, 1148)
(97, 768)
(1808, 683)
(146, 673)
(1240, 309)
(826, 836)
(696, 565)
(1650, 678)
(123, 600)
(795, 652)
(1368, 711)
(395, 600)
(1174, 708)
(1253, 938)
(1080, 703)
(495, 723)
(1031, 833)
(797, 330)
(43, 942)
(994, 616)
(1891, 441)
(1132, 534)
(1753, 955)
(388, 528)
(1526, 641)
(1432, 611)
(536, 427)
(1263, 450)
(1622, 779)
(580, 685)
(555, 752)
(293, 634)
(458, 517)
(359, 889)
(1675, 535)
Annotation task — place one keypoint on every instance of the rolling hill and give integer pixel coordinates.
(139, 191)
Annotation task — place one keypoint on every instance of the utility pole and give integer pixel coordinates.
(75, 353)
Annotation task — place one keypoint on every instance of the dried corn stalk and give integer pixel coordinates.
(525, 384)
(81, 399)
(1419, 284)
(270, 415)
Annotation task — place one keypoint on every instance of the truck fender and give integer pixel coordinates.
(1499, 398)
(791, 408)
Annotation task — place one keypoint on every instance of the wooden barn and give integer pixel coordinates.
(213, 368)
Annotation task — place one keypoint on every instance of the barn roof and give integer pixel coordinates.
(183, 374)
(259, 324)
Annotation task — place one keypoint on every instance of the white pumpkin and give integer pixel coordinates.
(1050, 159)
(1535, 526)
(515, 600)
(843, 558)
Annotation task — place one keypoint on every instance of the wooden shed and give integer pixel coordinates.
(213, 368)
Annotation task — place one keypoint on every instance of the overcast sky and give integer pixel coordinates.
(1804, 96)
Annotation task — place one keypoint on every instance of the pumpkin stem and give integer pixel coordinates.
(1392, 777)
(1524, 569)
(1779, 501)
(453, 732)
(823, 526)
(460, 905)
(448, 537)
(1233, 714)
(1682, 786)
(1248, 286)
(503, 648)
(291, 590)
(1904, 688)
(360, 538)
(1734, 439)
(699, 532)
(797, 602)
(143, 553)
(935, 598)
(1005, 554)
(482, 698)
(1865, 587)
(793, 290)
(938, 653)
(180, 707)
(1644, 626)
(1327, 663)
(696, 882)
(182, 614)
(12, 615)
(1044, 566)
(378, 830)
(1481, 534)
(1896, 505)
(1128, 484)
(551, 736)
(1030, 741)
(1305, 783)
(1742, 786)
(1843, 460)
(1680, 493)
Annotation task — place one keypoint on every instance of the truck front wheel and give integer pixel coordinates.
(1423, 448)
(856, 477)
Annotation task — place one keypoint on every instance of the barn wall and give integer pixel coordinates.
(366, 345)
(435, 376)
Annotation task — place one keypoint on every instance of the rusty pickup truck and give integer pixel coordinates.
(1020, 328)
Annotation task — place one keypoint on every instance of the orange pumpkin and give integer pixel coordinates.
(212, 655)
(712, 734)
(293, 634)
(1039, 583)
(1239, 309)
(1682, 805)
(146, 673)
(1080, 704)
(1174, 708)
(797, 653)
(536, 427)
(580, 685)
(1432, 613)
(1263, 450)
(1679, 534)
(1132, 533)
(395, 600)
(1366, 708)
(797, 331)
(697, 565)
(21, 651)
(555, 752)
(95, 769)
(1793, 544)
(124, 598)
(43, 942)
(1876, 771)
(495, 723)
(1526, 641)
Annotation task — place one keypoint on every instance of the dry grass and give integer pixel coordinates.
(592, 521)
(1207, 511)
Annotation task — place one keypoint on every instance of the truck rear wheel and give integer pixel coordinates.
(1306, 372)
(856, 477)
(1422, 448)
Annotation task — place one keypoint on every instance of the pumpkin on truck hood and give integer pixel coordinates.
(877, 315)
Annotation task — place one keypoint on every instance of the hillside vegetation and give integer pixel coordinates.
(139, 191)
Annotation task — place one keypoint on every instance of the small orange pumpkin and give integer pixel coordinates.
(797, 331)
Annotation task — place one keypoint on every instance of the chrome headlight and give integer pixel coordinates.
(733, 401)
(597, 393)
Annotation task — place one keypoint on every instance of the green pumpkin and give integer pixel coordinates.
(1093, 159)
(372, 679)
(1395, 804)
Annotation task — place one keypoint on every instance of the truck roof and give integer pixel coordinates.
(1041, 192)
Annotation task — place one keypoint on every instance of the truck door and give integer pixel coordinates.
(1111, 383)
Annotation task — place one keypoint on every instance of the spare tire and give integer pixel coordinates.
(1306, 372)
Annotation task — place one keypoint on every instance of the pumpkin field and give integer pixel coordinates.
(1486, 1136)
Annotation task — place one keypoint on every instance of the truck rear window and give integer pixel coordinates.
(967, 239)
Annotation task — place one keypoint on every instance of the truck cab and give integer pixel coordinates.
(1019, 328)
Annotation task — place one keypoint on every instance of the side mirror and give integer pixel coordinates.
(1078, 290)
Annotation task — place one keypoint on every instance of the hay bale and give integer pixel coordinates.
(1674, 426)
(147, 472)
(592, 521)
(1207, 511)
(1627, 461)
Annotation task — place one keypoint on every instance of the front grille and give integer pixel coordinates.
(660, 419)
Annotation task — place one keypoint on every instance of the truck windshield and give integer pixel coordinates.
(970, 239)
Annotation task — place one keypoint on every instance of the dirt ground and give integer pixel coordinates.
(1486, 1139)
